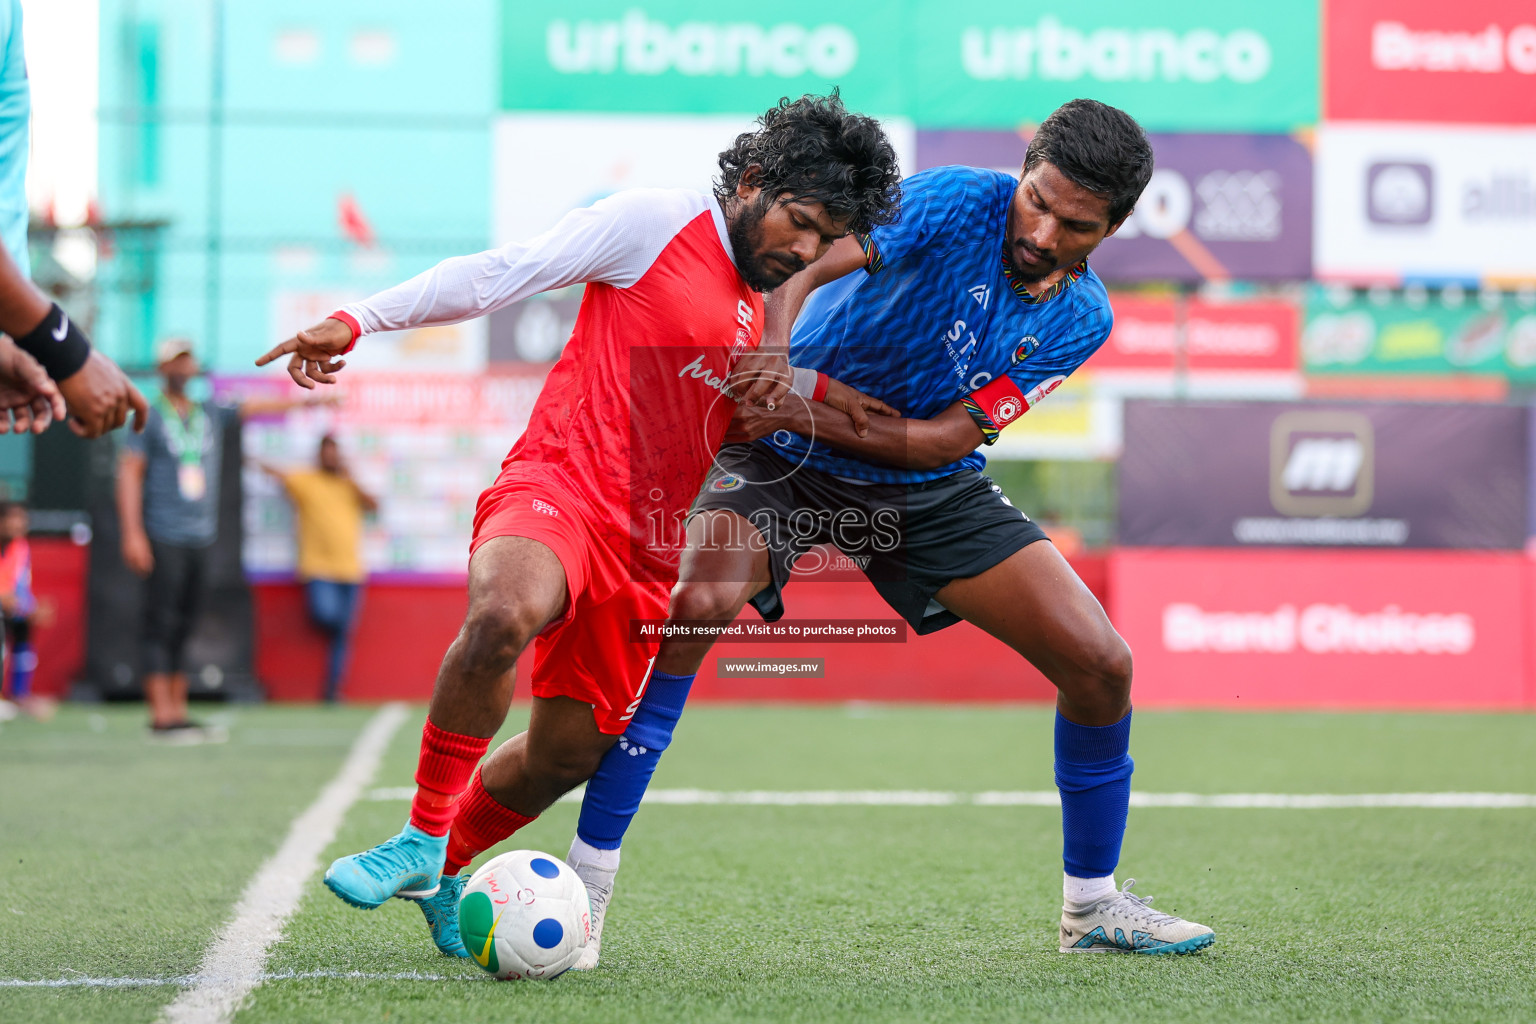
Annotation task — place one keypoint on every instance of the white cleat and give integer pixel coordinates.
(1126, 923)
(599, 883)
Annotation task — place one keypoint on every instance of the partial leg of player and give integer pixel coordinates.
(1035, 603)
(516, 587)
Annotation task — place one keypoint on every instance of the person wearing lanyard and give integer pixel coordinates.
(168, 509)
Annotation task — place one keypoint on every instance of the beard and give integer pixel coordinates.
(746, 235)
(1027, 273)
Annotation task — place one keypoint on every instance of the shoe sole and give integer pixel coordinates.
(1193, 945)
(350, 900)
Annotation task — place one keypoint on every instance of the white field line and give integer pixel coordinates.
(1048, 798)
(234, 964)
(84, 981)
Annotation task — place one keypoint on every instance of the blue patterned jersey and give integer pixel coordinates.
(938, 317)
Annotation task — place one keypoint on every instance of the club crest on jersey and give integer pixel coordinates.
(1026, 347)
(729, 482)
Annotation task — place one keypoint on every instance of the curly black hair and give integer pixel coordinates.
(1098, 147)
(814, 150)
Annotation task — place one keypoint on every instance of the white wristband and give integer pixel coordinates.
(803, 382)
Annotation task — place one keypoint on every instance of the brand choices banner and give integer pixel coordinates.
(1278, 474)
(1425, 202)
(1218, 206)
(1199, 65)
(1426, 60)
(1433, 332)
(1239, 336)
(1315, 629)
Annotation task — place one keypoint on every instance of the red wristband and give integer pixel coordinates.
(352, 325)
(819, 392)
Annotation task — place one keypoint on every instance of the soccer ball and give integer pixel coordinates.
(525, 914)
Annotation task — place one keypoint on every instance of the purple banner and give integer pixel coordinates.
(1275, 474)
(1218, 206)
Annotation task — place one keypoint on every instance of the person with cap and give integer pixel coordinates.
(168, 511)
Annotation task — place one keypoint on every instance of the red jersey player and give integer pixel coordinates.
(572, 542)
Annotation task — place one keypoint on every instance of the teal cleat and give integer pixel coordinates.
(442, 913)
(407, 865)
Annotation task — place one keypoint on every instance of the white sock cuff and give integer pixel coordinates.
(1086, 890)
(603, 860)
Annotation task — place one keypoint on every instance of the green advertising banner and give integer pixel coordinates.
(697, 58)
(1200, 65)
(1419, 331)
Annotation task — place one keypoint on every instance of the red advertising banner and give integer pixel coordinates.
(1323, 630)
(1239, 336)
(1425, 60)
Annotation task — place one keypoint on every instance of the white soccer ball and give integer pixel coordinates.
(525, 914)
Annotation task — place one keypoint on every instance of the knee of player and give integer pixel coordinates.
(706, 601)
(570, 768)
(496, 632)
(1111, 666)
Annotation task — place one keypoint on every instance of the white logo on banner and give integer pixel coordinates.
(639, 46)
(1396, 47)
(1233, 206)
(1316, 629)
(1324, 464)
(1055, 52)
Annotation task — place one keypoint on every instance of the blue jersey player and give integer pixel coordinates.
(963, 314)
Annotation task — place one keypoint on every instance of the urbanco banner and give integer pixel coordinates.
(1199, 65)
(1202, 65)
(1426, 60)
(1425, 202)
(1323, 474)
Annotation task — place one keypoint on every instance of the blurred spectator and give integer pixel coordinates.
(17, 605)
(168, 508)
(328, 510)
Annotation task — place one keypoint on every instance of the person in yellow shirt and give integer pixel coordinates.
(328, 507)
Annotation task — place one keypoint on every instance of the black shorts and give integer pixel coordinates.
(173, 598)
(910, 540)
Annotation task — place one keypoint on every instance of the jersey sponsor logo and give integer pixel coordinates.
(981, 293)
(698, 371)
(729, 482)
(1026, 347)
(1007, 409)
(545, 507)
(1037, 393)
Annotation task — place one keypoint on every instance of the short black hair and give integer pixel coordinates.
(1098, 147)
(814, 150)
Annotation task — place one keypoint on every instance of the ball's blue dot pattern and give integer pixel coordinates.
(548, 932)
(544, 868)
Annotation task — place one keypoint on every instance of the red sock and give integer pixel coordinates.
(442, 771)
(480, 824)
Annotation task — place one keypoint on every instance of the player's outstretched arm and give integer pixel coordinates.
(892, 440)
(614, 241)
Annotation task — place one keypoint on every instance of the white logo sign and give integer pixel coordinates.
(1316, 629)
(637, 45)
(982, 294)
(1396, 47)
(1421, 201)
(1055, 52)
(1234, 206)
(1323, 464)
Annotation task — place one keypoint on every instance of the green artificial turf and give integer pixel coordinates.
(131, 859)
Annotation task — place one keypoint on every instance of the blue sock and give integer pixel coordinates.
(1093, 772)
(23, 664)
(613, 794)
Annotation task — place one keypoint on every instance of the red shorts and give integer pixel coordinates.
(587, 653)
